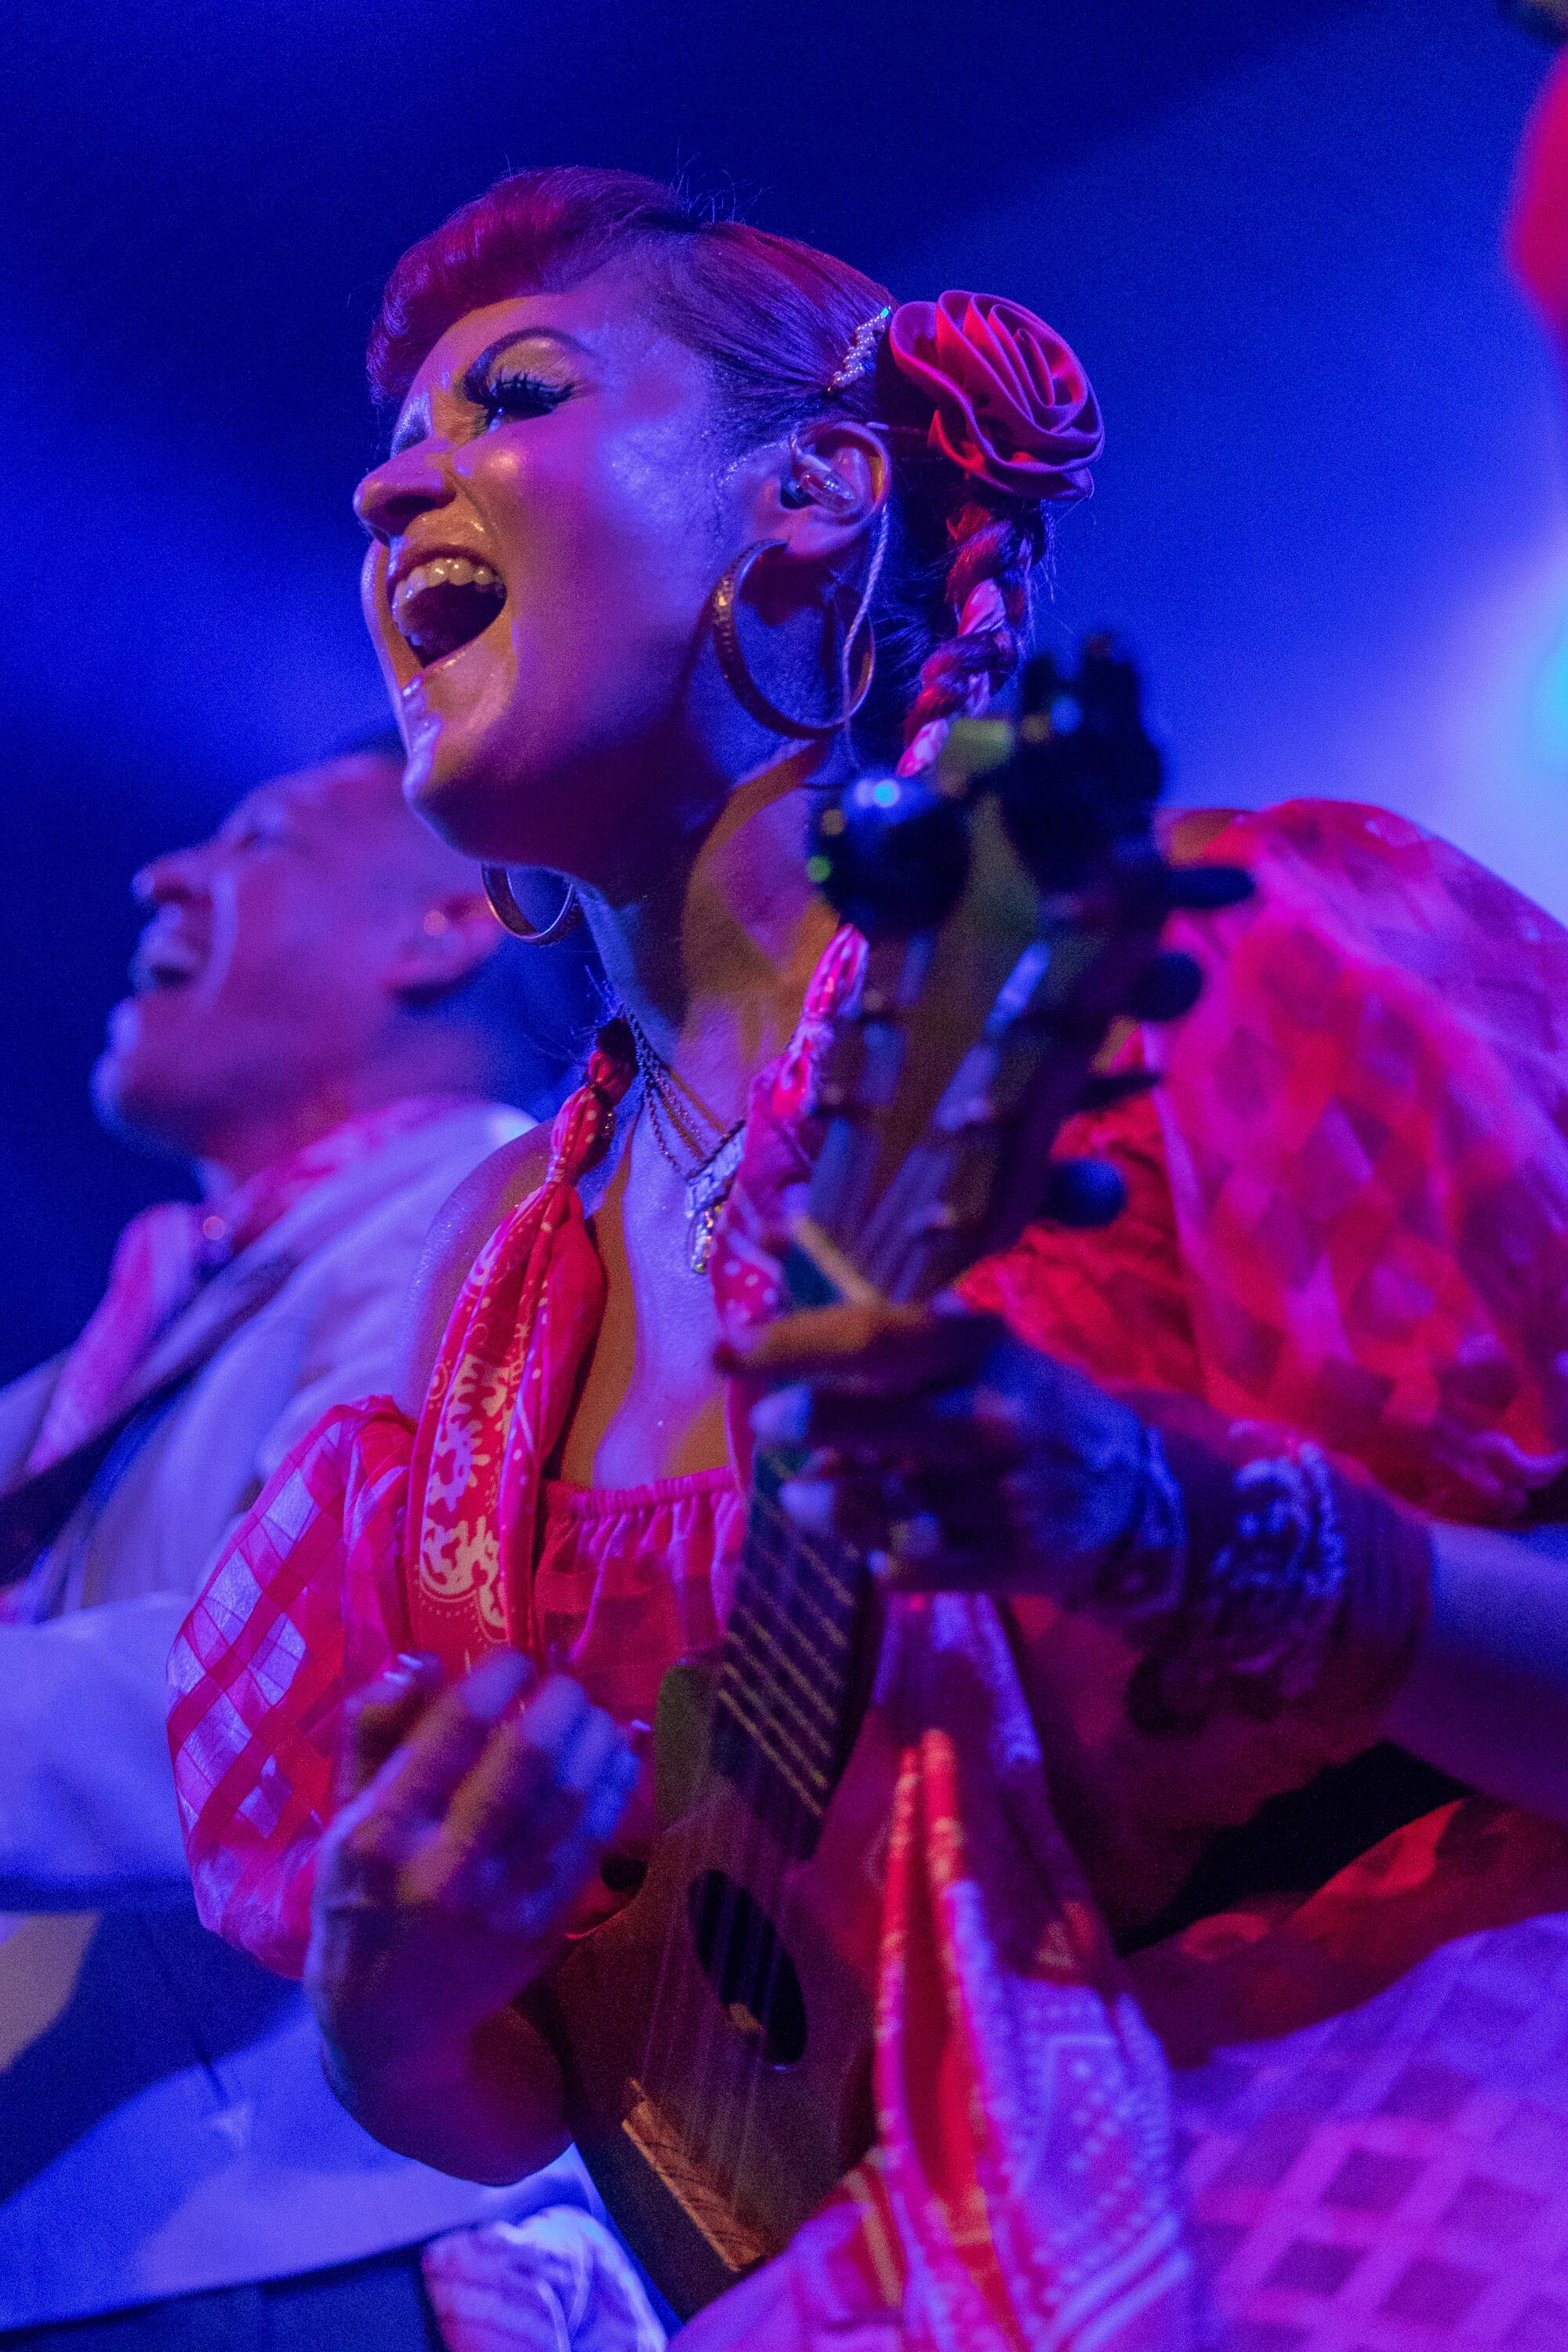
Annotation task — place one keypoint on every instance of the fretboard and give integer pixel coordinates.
(788, 1689)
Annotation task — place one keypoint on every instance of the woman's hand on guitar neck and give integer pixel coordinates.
(474, 1818)
(959, 1458)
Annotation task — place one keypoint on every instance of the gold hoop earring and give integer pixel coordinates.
(724, 602)
(511, 916)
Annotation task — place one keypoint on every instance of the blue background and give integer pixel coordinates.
(1331, 516)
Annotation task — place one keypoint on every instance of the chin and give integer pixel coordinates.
(461, 776)
(476, 779)
(507, 764)
(129, 1104)
(140, 1084)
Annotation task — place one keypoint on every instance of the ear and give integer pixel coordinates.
(441, 947)
(819, 492)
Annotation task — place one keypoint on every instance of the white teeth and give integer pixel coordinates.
(444, 571)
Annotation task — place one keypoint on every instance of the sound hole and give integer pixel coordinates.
(744, 1960)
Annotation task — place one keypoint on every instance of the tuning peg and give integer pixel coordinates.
(1202, 889)
(1109, 683)
(1082, 1194)
(1169, 985)
(1104, 1088)
(1041, 685)
(1086, 773)
(891, 855)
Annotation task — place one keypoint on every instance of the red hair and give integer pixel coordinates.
(773, 320)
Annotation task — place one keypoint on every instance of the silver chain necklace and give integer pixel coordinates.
(708, 1182)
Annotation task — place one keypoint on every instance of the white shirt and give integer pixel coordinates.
(163, 2122)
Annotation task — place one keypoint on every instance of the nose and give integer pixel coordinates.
(167, 879)
(409, 485)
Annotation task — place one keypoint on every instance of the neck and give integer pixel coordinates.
(715, 957)
(236, 1149)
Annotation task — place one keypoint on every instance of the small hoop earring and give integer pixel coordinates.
(511, 916)
(738, 677)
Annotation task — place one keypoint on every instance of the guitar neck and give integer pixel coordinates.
(791, 1682)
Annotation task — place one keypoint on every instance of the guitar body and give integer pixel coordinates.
(707, 2161)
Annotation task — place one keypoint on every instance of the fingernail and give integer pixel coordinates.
(491, 1687)
(411, 1663)
(556, 1708)
(784, 1418)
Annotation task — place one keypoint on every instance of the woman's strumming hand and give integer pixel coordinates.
(474, 1818)
(959, 1458)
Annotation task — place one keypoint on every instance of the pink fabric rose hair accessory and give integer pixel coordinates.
(1011, 407)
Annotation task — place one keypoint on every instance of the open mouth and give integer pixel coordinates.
(444, 603)
(163, 965)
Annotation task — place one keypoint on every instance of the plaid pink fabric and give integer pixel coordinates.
(1349, 1216)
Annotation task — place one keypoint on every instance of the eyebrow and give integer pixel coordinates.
(492, 351)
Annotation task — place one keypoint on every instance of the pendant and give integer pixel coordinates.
(706, 1190)
(700, 1235)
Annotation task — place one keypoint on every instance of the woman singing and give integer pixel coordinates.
(658, 484)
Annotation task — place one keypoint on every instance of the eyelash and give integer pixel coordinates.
(518, 393)
(504, 397)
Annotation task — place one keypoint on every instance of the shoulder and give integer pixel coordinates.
(363, 1230)
(1361, 903)
(461, 1228)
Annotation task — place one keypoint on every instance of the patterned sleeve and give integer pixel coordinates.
(1347, 1223)
(1349, 1192)
(303, 1606)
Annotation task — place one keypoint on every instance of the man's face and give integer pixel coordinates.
(259, 983)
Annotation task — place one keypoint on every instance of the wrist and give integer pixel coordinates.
(1137, 1575)
(1257, 1575)
(488, 2106)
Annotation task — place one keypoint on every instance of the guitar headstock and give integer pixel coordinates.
(1012, 904)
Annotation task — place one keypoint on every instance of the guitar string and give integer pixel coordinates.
(756, 1645)
(784, 1896)
(691, 2011)
(771, 1557)
(752, 2057)
(825, 1585)
(812, 1737)
(780, 1520)
(767, 1559)
(777, 1555)
(896, 1240)
(798, 1732)
(775, 1547)
(783, 1635)
(784, 1560)
(728, 2148)
(737, 1871)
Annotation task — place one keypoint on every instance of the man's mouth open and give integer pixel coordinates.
(163, 965)
(443, 603)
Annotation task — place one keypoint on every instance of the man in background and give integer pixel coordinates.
(327, 1025)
